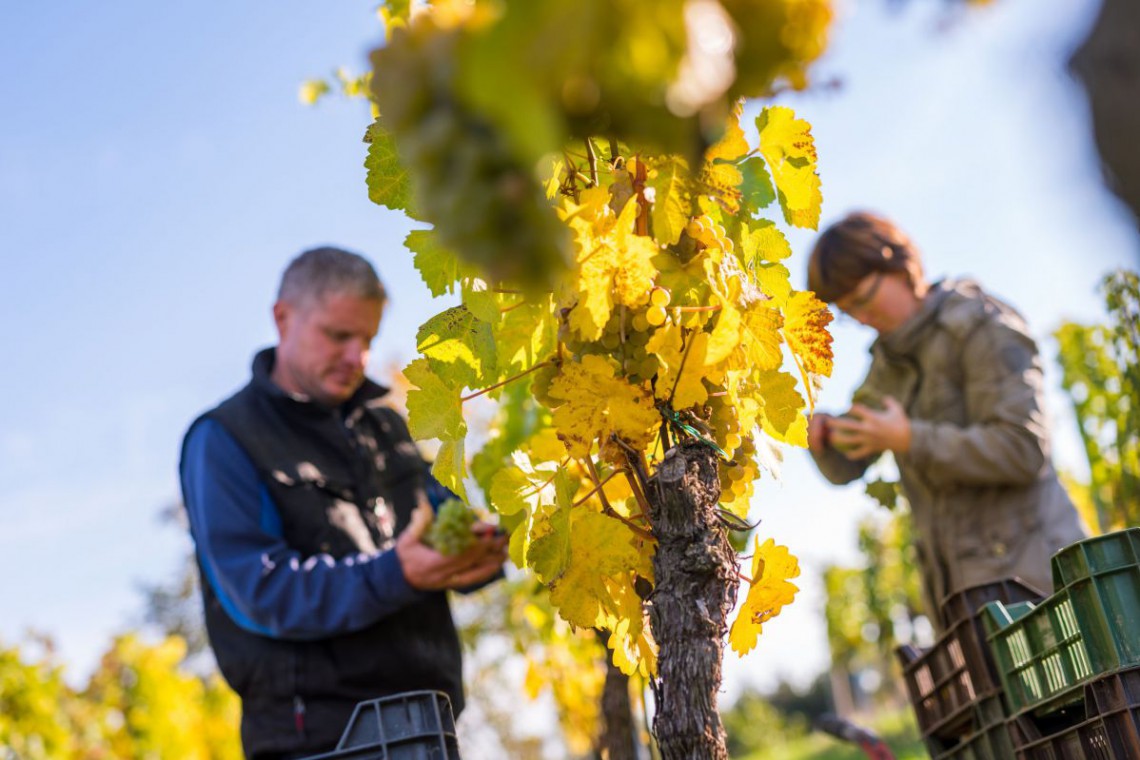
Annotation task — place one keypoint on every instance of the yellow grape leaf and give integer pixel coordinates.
(450, 467)
(600, 547)
(681, 366)
(788, 147)
(434, 407)
(782, 402)
(599, 404)
(615, 265)
(671, 181)
(805, 326)
(725, 336)
(760, 341)
(768, 593)
(764, 242)
(776, 282)
(732, 144)
(630, 640)
(534, 680)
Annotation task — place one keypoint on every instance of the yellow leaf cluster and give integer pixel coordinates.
(788, 147)
(769, 591)
(597, 404)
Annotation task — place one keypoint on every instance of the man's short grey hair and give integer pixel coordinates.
(319, 271)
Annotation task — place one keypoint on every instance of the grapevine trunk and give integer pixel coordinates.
(696, 582)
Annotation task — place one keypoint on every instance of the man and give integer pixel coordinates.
(955, 392)
(307, 501)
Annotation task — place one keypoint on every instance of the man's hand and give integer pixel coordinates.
(428, 570)
(818, 433)
(865, 431)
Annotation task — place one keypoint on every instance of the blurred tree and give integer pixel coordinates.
(1108, 63)
(138, 704)
(866, 604)
(1101, 372)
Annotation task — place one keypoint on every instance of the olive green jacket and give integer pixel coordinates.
(984, 496)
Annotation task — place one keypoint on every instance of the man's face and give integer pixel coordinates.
(324, 344)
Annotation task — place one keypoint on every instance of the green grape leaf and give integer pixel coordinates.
(388, 181)
(672, 200)
(459, 347)
(434, 407)
(885, 492)
(527, 335)
(450, 466)
(549, 554)
(438, 266)
(482, 300)
(756, 186)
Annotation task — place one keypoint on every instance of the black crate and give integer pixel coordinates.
(983, 737)
(1104, 724)
(948, 682)
(416, 725)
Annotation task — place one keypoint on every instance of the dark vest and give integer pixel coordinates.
(344, 481)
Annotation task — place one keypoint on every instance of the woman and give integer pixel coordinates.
(955, 392)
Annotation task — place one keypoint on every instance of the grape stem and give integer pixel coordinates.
(745, 578)
(490, 388)
(714, 307)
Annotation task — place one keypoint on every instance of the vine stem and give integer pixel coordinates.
(635, 474)
(598, 481)
(490, 388)
(592, 158)
(598, 487)
(745, 578)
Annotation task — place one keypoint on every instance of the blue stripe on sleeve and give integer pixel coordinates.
(264, 585)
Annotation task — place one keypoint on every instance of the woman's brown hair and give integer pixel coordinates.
(858, 245)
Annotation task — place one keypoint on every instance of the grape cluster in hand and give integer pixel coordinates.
(450, 532)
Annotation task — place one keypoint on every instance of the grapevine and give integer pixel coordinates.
(623, 291)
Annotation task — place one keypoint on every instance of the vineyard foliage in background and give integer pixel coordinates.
(597, 205)
(139, 703)
(1101, 372)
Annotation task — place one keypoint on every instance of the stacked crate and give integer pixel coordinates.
(954, 687)
(1070, 665)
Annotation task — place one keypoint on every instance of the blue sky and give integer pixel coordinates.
(154, 182)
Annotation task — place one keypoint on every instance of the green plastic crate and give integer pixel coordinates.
(1093, 556)
(1039, 650)
(1102, 577)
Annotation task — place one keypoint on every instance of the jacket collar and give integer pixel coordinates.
(905, 338)
(263, 363)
